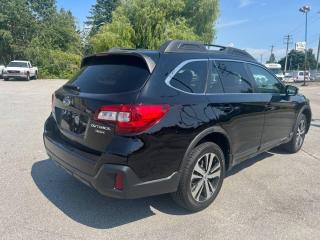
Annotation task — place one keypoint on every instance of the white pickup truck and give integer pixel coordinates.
(20, 70)
(2, 67)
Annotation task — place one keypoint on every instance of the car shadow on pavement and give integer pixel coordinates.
(88, 207)
(249, 162)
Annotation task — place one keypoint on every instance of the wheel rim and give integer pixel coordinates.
(300, 133)
(205, 177)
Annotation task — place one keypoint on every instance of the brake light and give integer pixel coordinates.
(118, 183)
(132, 118)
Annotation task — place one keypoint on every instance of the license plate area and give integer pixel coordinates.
(73, 122)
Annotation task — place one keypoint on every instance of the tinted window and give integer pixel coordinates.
(115, 74)
(214, 83)
(265, 81)
(234, 77)
(191, 77)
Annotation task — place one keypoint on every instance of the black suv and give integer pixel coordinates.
(134, 123)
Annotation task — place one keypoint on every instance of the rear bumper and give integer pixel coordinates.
(103, 180)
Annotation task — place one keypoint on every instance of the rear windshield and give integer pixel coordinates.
(18, 64)
(112, 74)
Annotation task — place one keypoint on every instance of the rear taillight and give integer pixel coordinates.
(118, 183)
(132, 118)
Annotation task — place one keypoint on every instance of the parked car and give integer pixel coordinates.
(136, 123)
(288, 77)
(300, 76)
(20, 70)
(1, 70)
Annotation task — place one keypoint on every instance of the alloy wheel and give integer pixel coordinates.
(205, 177)
(300, 133)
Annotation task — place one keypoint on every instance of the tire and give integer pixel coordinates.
(5, 79)
(298, 135)
(28, 77)
(189, 195)
(35, 76)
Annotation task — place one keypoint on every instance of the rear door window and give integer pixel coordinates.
(191, 77)
(113, 74)
(234, 77)
(214, 83)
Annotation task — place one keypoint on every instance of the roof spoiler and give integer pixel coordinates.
(122, 52)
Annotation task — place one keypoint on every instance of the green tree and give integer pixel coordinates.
(101, 13)
(153, 22)
(296, 60)
(42, 9)
(17, 27)
(201, 14)
(117, 33)
(37, 31)
(56, 48)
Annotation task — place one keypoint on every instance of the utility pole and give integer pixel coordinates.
(318, 54)
(272, 47)
(287, 41)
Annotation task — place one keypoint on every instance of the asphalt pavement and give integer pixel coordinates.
(272, 196)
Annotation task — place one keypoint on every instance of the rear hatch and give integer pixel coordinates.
(104, 80)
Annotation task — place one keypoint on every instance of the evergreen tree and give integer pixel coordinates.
(101, 13)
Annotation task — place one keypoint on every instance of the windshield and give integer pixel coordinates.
(276, 70)
(18, 64)
(112, 75)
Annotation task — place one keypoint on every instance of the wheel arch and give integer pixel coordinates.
(216, 135)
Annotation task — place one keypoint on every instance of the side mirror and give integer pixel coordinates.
(291, 90)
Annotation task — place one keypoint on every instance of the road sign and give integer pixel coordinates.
(300, 46)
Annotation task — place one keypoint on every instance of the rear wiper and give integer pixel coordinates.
(71, 87)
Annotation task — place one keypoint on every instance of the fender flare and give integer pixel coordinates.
(203, 134)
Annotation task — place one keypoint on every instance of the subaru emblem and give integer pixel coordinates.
(77, 120)
(67, 101)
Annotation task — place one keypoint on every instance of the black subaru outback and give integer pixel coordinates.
(134, 123)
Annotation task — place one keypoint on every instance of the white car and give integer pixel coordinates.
(2, 67)
(300, 76)
(20, 70)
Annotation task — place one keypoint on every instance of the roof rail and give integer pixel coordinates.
(192, 46)
(182, 46)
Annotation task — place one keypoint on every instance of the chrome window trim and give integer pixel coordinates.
(182, 64)
(178, 68)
